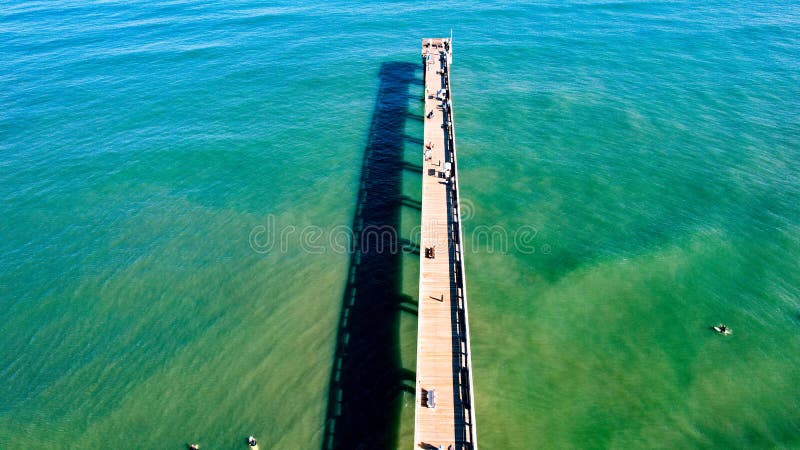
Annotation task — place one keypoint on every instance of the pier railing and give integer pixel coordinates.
(456, 235)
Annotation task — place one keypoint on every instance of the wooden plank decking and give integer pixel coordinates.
(443, 352)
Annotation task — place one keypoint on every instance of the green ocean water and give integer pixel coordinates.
(164, 164)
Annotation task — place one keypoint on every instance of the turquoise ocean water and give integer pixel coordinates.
(152, 154)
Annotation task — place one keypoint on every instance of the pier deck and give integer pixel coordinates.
(443, 352)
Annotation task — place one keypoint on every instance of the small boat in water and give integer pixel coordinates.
(722, 329)
(194, 447)
(251, 442)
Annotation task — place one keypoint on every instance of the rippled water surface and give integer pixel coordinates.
(652, 146)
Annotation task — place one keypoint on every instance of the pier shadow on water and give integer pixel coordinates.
(368, 379)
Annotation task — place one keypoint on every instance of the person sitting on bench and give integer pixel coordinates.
(429, 397)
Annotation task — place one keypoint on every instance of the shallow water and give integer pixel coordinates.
(629, 170)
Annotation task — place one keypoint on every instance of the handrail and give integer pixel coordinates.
(461, 273)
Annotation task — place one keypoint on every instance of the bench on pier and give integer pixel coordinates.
(430, 252)
(429, 398)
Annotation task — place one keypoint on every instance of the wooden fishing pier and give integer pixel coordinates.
(445, 406)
